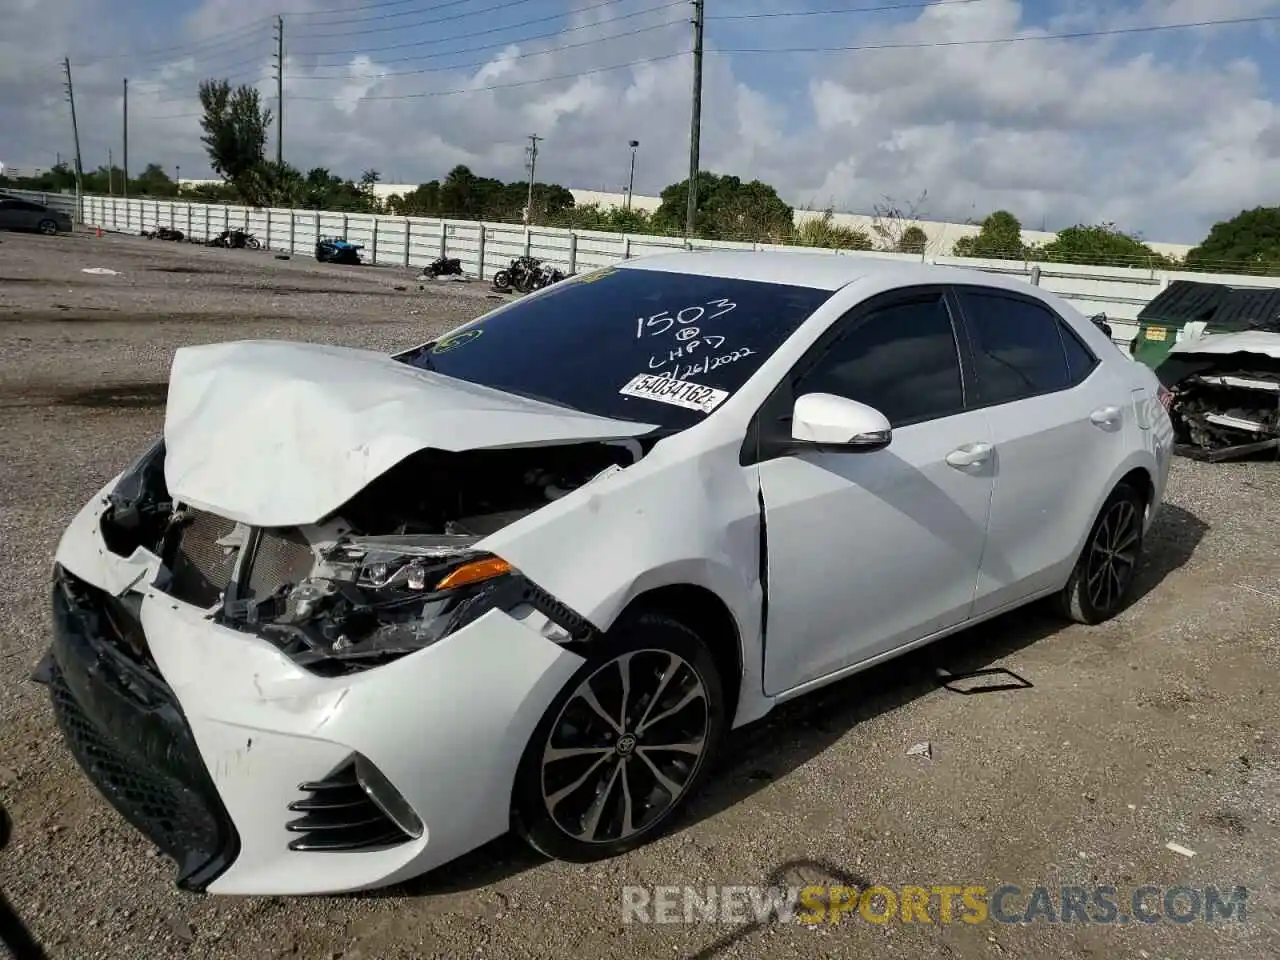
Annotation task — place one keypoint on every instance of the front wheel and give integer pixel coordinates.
(48, 227)
(253, 243)
(619, 752)
(502, 281)
(1103, 576)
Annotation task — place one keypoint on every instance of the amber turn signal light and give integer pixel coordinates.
(474, 572)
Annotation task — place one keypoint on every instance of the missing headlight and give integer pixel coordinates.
(373, 599)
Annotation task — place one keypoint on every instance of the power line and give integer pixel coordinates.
(509, 26)
(490, 46)
(382, 4)
(517, 83)
(237, 35)
(919, 4)
(411, 13)
(1078, 35)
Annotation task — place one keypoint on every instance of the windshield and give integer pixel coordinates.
(603, 343)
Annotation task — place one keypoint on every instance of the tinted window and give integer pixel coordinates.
(1017, 349)
(581, 342)
(902, 360)
(1080, 360)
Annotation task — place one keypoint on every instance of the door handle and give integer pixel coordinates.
(969, 455)
(1104, 416)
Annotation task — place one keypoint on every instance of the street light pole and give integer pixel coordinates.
(631, 180)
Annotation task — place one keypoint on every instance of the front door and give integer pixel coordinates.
(869, 551)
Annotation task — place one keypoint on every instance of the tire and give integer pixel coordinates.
(253, 243)
(502, 281)
(1099, 585)
(554, 800)
(48, 227)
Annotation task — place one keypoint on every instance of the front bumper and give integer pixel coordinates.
(234, 729)
(128, 733)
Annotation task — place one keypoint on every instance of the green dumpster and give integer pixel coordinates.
(1220, 307)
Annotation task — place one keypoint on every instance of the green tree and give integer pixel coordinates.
(153, 182)
(728, 209)
(999, 238)
(605, 219)
(1101, 244)
(235, 135)
(1247, 243)
(823, 231)
(913, 240)
(423, 201)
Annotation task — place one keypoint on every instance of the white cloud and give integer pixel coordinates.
(1164, 137)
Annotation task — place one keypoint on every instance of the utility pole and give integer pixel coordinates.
(75, 131)
(695, 126)
(111, 174)
(279, 57)
(533, 165)
(125, 159)
(631, 180)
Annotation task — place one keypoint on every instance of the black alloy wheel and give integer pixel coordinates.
(624, 745)
(1100, 584)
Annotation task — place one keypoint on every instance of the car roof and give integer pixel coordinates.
(819, 270)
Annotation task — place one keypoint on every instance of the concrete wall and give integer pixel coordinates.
(942, 234)
(412, 242)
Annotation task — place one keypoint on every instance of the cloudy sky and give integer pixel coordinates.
(1162, 132)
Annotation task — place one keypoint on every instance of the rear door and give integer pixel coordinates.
(1059, 419)
(11, 216)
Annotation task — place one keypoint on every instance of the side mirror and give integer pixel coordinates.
(825, 419)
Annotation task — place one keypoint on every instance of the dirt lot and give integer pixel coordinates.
(1160, 726)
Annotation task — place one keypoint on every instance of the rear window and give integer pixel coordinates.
(595, 342)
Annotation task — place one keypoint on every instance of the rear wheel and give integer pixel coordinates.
(48, 227)
(1103, 576)
(625, 744)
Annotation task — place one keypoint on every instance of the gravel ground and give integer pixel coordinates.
(1159, 726)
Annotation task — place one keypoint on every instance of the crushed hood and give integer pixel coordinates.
(272, 433)
(1249, 341)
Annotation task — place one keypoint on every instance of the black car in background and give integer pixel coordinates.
(18, 214)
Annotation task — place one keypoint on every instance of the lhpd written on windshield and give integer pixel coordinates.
(935, 904)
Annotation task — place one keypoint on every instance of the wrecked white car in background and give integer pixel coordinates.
(1226, 393)
(356, 615)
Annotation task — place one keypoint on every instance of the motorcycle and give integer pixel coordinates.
(443, 267)
(337, 250)
(546, 275)
(526, 274)
(1099, 320)
(518, 276)
(164, 233)
(236, 240)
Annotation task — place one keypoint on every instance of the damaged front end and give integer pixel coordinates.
(1224, 405)
(397, 568)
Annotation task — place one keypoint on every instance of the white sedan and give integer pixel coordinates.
(356, 615)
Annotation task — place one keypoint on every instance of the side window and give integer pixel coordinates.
(901, 359)
(1017, 347)
(1080, 359)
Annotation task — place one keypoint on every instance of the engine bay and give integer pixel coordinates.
(394, 569)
